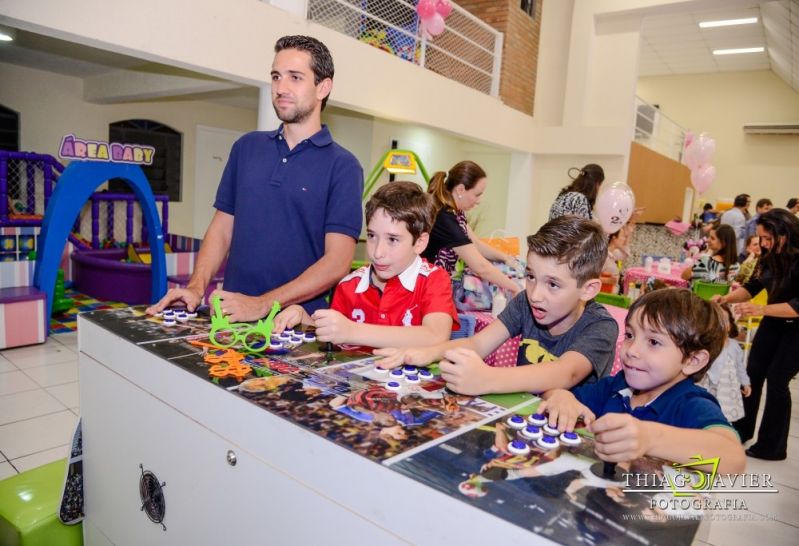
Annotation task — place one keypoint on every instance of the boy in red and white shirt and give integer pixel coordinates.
(399, 300)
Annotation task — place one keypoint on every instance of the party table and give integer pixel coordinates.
(639, 275)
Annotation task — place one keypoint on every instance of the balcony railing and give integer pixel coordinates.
(657, 131)
(469, 51)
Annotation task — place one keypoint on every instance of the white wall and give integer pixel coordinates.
(368, 139)
(719, 104)
(51, 105)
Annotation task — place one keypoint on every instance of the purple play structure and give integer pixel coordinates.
(110, 199)
(27, 182)
(19, 174)
(102, 275)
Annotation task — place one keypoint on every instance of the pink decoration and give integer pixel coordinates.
(425, 9)
(699, 151)
(435, 24)
(677, 228)
(689, 138)
(444, 8)
(702, 177)
(614, 206)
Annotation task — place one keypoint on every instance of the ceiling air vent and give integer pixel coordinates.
(771, 128)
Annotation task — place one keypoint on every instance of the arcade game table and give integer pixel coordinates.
(315, 444)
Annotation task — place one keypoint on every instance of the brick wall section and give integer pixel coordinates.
(520, 48)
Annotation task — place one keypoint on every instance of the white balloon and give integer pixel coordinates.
(614, 206)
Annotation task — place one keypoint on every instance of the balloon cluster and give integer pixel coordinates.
(614, 206)
(431, 16)
(696, 156)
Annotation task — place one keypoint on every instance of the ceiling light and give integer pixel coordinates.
(7, 34)
(739, 50)
(728, 22)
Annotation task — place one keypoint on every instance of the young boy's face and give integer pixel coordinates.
(553, 295)
(651, 359)
(390, 246)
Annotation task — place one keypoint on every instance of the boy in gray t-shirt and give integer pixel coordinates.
(569, 338)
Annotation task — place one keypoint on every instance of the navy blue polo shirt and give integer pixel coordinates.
(684, 405)
(284, 202)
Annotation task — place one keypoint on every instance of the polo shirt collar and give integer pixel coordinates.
(407, 278)
(656, 405)
(319, 139)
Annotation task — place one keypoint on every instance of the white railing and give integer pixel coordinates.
(657, 131)
(468, 51)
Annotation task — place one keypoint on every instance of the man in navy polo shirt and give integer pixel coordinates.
(653, 407)
(289, 203)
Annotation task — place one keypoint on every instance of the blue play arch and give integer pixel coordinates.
(75, 185)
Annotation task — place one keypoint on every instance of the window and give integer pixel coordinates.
(164, 174)
(9, 129)
(528, 7)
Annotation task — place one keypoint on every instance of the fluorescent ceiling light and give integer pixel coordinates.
(739, 50)
(728, 22)
(7, 34)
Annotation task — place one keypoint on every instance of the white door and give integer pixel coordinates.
(212, 150)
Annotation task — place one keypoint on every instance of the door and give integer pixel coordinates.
(212, 150)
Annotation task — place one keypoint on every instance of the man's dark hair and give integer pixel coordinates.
(763, 202)
(792, 203)
(403, 202)
(321, 60)
(692, 323)
(577, 242)
(741, 199)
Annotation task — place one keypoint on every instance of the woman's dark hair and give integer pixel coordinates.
(441, 184)
(587, 181)
(729, 249)
(784, 229)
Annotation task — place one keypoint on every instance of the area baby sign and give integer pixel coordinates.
(73, 148)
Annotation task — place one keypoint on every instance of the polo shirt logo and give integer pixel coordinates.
(407, 318)
(358, 315)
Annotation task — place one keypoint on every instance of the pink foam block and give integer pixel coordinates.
(23, 318)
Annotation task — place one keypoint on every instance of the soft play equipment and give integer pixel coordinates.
(76, 186)
(29, 504)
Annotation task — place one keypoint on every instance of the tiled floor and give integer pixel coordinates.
(39, 408)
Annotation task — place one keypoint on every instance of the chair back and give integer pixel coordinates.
(617, 300)
(706, 290)
(467, 323)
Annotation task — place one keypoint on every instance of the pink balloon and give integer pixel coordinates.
(689, 156)
(614, 206)
(426, 9)
(706, 149)
(689, 138)
(424, 30)
(444, 8)
(435, 25)
(702, 178)
(699, 151)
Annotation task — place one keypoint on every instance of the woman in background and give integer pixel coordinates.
(454, 193)
(578, 198)
(722, 263)
(748, 266)
(773, 357)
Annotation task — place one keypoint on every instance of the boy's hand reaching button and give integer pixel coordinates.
(465, 372)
